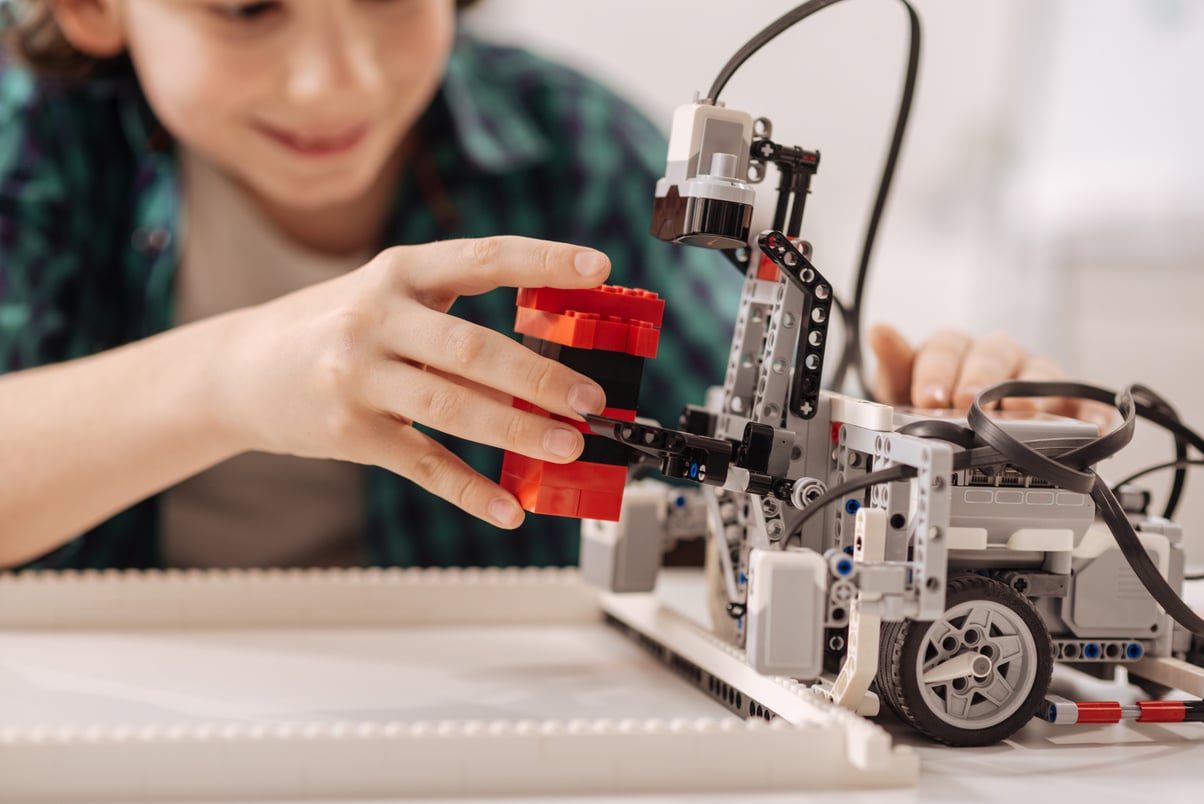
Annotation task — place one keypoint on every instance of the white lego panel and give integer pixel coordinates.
(1174, 673)
(837, 739)
(860, 413)
(157, 686)
(861, 659)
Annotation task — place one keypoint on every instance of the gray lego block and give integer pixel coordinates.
(625, 556)
(787, 597)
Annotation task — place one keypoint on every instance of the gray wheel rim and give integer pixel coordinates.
(980, 626)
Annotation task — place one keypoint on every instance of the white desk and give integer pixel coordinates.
(327, 674)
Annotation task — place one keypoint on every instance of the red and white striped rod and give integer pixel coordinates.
(1066, 713)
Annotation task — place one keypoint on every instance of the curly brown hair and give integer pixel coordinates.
(33, 38)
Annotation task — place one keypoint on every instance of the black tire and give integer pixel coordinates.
(982, 616)
(889, 639)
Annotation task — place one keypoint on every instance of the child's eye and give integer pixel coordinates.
(246, 12)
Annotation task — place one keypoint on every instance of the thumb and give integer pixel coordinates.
(892, 384)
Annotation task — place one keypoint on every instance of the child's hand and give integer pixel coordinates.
(950, 368)
(344, 368)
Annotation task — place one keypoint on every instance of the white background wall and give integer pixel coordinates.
(830, 83)
(1052, 181)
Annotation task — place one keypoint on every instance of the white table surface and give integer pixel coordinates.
(274, 675)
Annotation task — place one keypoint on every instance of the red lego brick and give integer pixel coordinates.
(766, 270)
(610, 320)
(589, 331)
(606, 300)
(602, 502)
(567, 329)
(581, 475)
(553, 501)
(642, 339)
(520, 465)
(540, 499)
(610, 334)
(600, 505)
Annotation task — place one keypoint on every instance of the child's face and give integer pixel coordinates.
(303, 101)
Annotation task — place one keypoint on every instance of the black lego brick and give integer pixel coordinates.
(600, 449)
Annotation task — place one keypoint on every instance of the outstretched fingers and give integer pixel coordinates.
(415, 455)
(439, 273)
(405, 392)
(896, 360)
(988, 361)
(938, 365)
(480, 356)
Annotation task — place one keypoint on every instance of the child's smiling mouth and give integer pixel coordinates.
(312, 143)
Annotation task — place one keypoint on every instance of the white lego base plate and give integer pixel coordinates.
(333, 683)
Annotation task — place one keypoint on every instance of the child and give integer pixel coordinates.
(195, 303)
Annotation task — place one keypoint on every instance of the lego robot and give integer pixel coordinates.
(939, 563)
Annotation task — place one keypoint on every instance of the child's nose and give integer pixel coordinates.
(335, 61)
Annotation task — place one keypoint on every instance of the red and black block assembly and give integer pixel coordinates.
(604, 333)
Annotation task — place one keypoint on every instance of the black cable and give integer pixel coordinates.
(941, 430)
(766, 35)
(1072, 470)
(851, 355)
(1180, 478)
(1159, 467)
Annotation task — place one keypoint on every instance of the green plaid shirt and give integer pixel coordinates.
(512, 144)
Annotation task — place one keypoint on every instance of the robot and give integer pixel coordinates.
(940, 563)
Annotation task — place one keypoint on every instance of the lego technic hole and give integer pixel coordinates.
(1112, 651)
(933, 584)
(931, 676)
(897, 521)
(1070, 651)
(972, 636)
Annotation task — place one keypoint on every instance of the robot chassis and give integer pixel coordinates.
(952, 585)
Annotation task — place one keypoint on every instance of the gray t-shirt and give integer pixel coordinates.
(255, 510)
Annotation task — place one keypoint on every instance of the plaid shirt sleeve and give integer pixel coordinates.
(36, 270)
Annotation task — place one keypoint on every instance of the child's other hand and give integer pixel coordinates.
(343, 369)
(950, 368)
